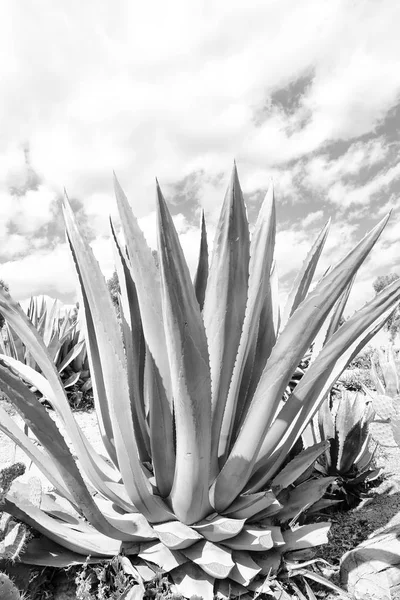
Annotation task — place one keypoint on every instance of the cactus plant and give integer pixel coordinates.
(385, 399)
(8, 590)
(13, 535)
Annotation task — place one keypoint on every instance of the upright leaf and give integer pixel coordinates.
(147, 280)
(190, 374)
(226, 297)
(303, 280)
(201, 277)
(261, 256)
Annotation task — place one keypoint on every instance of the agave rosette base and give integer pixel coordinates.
(196, 425)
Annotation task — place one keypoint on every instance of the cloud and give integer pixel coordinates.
(297, 92)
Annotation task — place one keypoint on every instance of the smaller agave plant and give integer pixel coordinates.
(345, 421)
(63, 337)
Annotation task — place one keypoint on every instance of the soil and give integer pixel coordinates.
(376, 512)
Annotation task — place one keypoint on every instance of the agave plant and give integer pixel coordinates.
(350, 457)
(63, 336)
(190, 404)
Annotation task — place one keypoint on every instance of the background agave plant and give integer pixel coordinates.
(350, 456)
(63, 337)
(191, 404)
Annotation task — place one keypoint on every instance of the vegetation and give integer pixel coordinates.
(345, 422)
(13, 535)
(5, 287)
(195, 408)
(392, 325)
(385, 372)
(114, 289)
(64, 339)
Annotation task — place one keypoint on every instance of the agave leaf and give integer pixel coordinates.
(247, 505)
(190, 374)
(95, 544)
(245, 568)
(161, 428)
(264, 516)
(331, 324)
(285, 356)
(306, 536)
(41, 551)
(147, 280)
(86, 387)
(267, 331)
(251, 538)
(337, 311)
(176, 535)
(201, 277)
(71, 380)
(298, 465)
(301, 497)
(225, 301)
(72, 354)
(322, 505)
(113, 363)
(320, 376)
(91, 462)
(269, 562)
(190, 580)
(163, 557)
(226, 589)
(304, 278)
(134, 349)
(41, 460)
(38, 381)
(351, 430)
(219, 528)
(215, 560)
(261, 256)
(44, 428)
(97, 382)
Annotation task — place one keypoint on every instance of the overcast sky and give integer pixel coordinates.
(303, 91)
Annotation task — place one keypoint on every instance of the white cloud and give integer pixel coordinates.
(47, 271)
(100, 86)
(32, 210)
(312, 218)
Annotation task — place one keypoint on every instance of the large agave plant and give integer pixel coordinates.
(194, 476)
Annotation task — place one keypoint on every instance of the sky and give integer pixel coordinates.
(304, 92)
